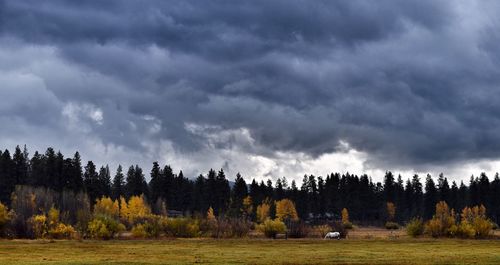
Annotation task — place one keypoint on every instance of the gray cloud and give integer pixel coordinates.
(409, 83)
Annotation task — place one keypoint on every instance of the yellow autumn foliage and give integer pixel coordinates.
(345, 216)
(285, 210)
(247, 207)
(135, 209)
(391, 211)
(106, 206)
(53, 217)
(475, 219)
(210, 214)
(5, 216)
(442, 222)
(263, 211)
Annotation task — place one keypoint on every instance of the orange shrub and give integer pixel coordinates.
(441, 222)
(285, 210)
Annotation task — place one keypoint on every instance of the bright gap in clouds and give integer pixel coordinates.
(236, 151)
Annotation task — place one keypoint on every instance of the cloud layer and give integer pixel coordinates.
(265, 87)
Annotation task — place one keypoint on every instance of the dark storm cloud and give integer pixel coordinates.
(217, 29)
(408, 82)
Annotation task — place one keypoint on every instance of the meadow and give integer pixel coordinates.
(251, 251)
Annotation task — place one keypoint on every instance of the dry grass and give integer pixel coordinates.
(252, 251)
(376, 233)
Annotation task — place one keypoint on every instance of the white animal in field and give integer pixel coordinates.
(330, 235)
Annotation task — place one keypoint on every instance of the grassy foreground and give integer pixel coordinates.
(252, 251)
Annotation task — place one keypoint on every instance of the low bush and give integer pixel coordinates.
(83, 218)
(182, 227)
(138, 231)
(348, 225)
(205, 226)
(98, 230)
(441, 222)
(229, 228)
(415, 227)
(391, 226)
(482, 227)
(104, 227)
(239, 227)
(476, 218)
(433, 228)
(150, 226)
(322, 230)
(298, 229)
(62, 231)
(5, 219)
(50, 226)
(219, 228)
(271, 228)
(463, 230)
(155, 226)
(38, 225)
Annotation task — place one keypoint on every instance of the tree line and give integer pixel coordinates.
(316, 197)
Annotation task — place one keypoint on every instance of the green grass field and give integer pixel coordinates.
(252, 251)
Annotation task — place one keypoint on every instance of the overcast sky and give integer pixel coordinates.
(267, 88)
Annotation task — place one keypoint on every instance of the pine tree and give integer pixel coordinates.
(312, 190)
(129, 183)
(187, 190)
(400, 202)
(321, 197)
(91, 180)
(303, 204)
(21, 166)
(67, 169)
(443, 188)
(332, 191)
(58, 176)
(279, 190)
(7, 177)
(269, 190)
(136, 183)
(118, 188)
(182, 197)
(76, 180)
(254, 193)
(211, 189)
(104, 180)
(484, 190)
(238, 194)
(408, 197)
(495, 199)
(366, 198)
(295, 195)
(223, 192)
(418, 201)
(168, 187)
(453, 198)
(49, 178)
(430, 197)
(474, 196)
(156, 183)
(389, 187)
(37, 170)
(199, 200)
(463, 196)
